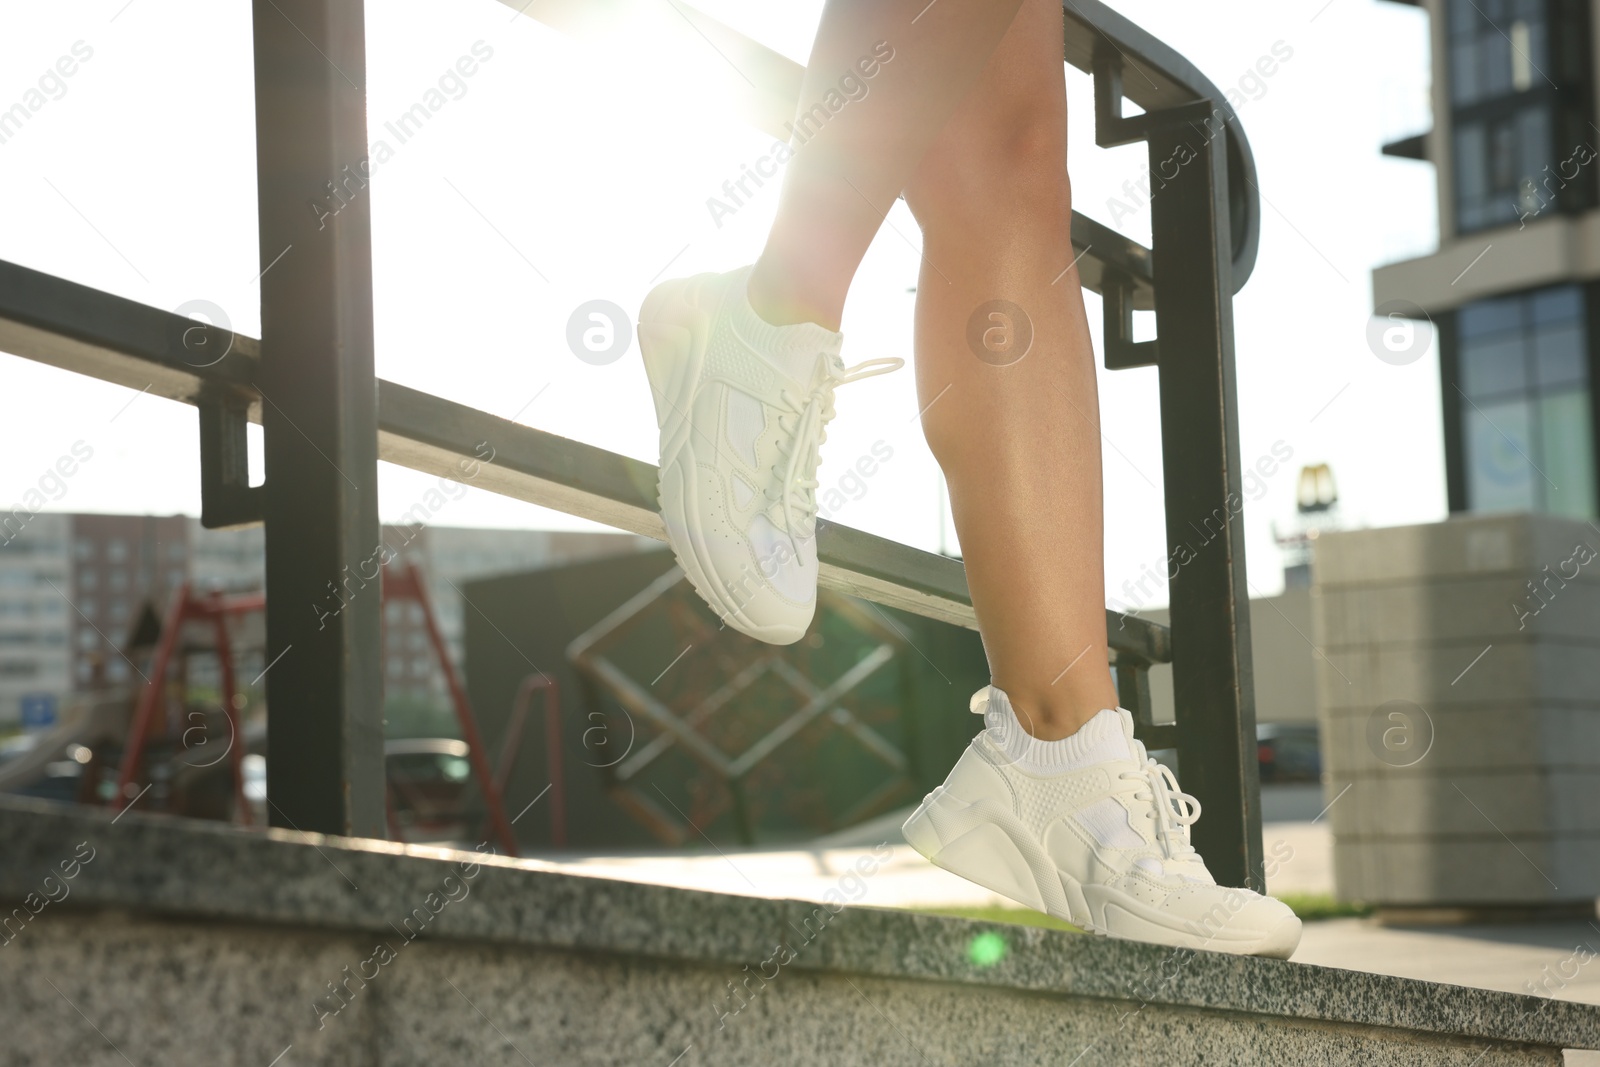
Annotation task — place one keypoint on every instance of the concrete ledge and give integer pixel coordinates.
(1463, 545)
(197, 943)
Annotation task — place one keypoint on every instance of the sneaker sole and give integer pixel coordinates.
(989, 846)
(673, 327)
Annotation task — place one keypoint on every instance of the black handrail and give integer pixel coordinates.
(1158, 79)
(1204, 249)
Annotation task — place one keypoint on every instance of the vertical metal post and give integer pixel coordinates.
(1211, 676)
(1449, 341)
(319, 414)
(1450, 389)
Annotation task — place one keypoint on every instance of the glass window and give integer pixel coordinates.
(1465, 86)
(1522, 62)
(1534, 174)
(1561, 304)
(1530, 34)
(1508, 97)
(1472, 176)
(88, 579)
(1527, 433)
(1503, 156)
(1496, 58)
(1499, 475)
(1567, 452)
(1494, 49)
(116, 550)
(1493, 365)
(1499, 164)
(1558, 355)
(1491, 316)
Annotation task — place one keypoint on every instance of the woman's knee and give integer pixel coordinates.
(1010, 168)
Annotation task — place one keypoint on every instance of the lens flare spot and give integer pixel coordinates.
(987, 949)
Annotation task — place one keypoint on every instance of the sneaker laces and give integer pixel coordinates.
(798, 476)
(1173, 810)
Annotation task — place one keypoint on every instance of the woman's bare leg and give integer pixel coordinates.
(1019, 441)
(1017, 434)
(843, 180)
(977, 140)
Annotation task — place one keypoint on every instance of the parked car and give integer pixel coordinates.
(428, 779)
(1288, 753)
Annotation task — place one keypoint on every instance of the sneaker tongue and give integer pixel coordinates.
(1121, 745)
(804, 355)
(1126, 717)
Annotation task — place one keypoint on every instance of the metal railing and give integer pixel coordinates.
(327, 419)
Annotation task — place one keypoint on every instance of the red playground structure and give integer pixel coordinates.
(401, 582)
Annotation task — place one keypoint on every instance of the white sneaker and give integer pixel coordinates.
(1103, 845)
(742, 406)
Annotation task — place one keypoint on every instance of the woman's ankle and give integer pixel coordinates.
(1050, 713)
(777, 299)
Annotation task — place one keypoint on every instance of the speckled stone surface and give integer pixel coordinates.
(201, 944)
(92, 988)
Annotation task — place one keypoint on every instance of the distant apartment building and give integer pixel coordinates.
(74, 587)
(37, 627)
(449, 557)
(1514, 287)
(120, 563)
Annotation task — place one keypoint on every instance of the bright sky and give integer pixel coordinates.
(563, 174)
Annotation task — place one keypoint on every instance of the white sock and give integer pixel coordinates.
(1100, 739)
(793, 348)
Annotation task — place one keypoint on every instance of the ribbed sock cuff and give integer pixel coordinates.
(1100, 739)
(792, 349)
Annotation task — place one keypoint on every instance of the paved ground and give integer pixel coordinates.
(1300, 849)
(871, 865)
(1547, 959)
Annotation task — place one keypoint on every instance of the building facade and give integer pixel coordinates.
(449, 557)
(1514, 287)
(37, 626)
(74, 589)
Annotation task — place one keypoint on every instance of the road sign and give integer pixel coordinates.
(38, 710)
